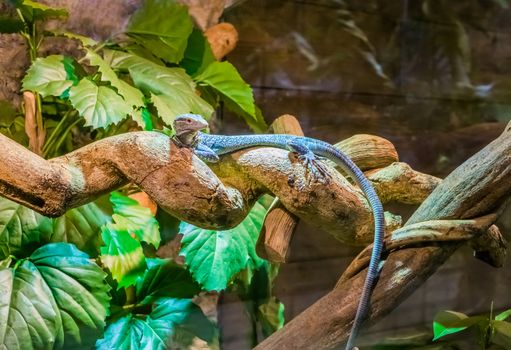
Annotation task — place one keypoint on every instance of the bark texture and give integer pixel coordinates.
(476, 188)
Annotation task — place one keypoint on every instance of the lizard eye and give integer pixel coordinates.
(188, 121)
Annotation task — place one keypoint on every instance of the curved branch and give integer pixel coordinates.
(399, 182)
(183, 185)
(474, 189)
(178, 181)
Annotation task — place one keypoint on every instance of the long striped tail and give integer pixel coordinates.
(379, 228)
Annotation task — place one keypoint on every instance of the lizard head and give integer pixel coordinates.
(189, 124)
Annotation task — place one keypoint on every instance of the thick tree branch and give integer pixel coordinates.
(474, 189)
(182, 184)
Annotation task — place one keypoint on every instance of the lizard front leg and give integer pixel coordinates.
(310, 160)
(205, 153)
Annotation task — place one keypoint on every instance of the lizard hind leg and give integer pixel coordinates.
(311, 161)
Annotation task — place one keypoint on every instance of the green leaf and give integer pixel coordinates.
(5, 263)
(214, 257)
(133, 96)
(84, 40)
(20, 228)
(449, 322)
(139, 219)
(163, 27)
(10, 25)
(198, 54)
(99, 105)
(155, 330)
(165, 278)
(502, 335)
(122, 253)
(33, 11)
(47, 299)
(503, 315)
(50, 76)
(225, 79)
(271, 316)
(82, 227)
(172, 90)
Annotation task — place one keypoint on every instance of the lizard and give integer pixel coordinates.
(209, 147)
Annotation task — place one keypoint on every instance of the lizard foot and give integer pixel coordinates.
(315, 167)
(311, 161)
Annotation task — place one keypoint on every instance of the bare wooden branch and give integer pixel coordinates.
(399, 182)
(474, 189)
(490, 247)
(178, 181)
(422, 233)
(182, 184)
(276, 234)
(369, 151)
(279, 225)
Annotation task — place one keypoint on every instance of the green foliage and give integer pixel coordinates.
(159, 30)
(163, 27)
(449, 322)
(33, 11)
(50, 76)
(46, 298)
(198, 54)
(271, 315)
(225, 79)
(162, 309)
(134, 99)
(139, 220)
(215, 257)
(20, 229)
(172, 92)
(255, 289)
(12, 125)
(165, 279)
(80, 226)
(10, 25)
(122, 254)
(99, 105)
(491, 332)
(84, 40)
(154, 331)
(53, 291)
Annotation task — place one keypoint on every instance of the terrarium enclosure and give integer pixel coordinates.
(121, 227)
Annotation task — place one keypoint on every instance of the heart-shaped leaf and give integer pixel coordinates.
(139, 220)
(50, 76)
(82, 227)
(132, 96)
(164, 278)
(225, 79)
(214, 257)
(155, 331)
(20, 228)
(449, 322)
(163, 27)
(99, 105)
(172, 90)
(48, 299)
(122, 254)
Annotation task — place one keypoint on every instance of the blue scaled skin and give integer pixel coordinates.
(209, 147)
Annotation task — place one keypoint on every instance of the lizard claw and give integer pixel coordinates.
(316, 168)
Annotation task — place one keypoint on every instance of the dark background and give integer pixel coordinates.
(300, 60)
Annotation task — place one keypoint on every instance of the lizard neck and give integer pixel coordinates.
(188, 138)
